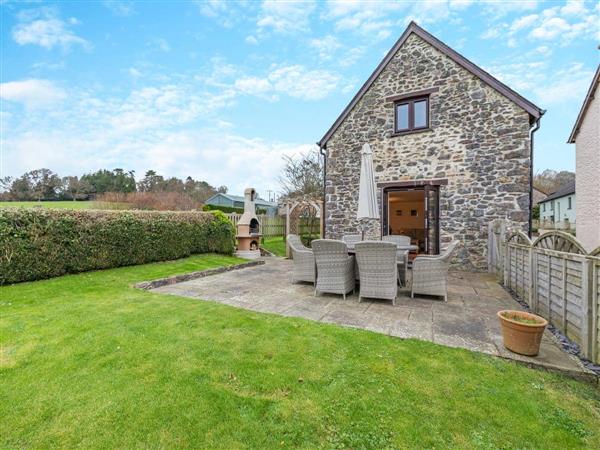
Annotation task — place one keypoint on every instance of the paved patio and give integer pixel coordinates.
(468, 320)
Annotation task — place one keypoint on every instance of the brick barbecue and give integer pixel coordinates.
(248, 228)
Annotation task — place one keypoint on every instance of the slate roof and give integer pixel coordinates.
(240, 198)
(567, 189)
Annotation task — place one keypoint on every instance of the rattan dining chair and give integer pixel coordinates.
(377, 262)
(401, 254)
(304, 260)
(351, 240)
(430, 273)
(335, 268)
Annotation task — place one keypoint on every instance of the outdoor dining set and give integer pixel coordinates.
(379, 267)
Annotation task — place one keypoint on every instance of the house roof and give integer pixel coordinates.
(240, 198)
(586, 103)
(528, 106)
(539, 190)
(567, 189)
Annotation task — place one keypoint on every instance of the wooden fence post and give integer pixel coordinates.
(587, 319)
(564, 294)
(530, 281)
(595, 312)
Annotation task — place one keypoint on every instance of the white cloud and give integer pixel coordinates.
(523, 22)
(44, 28)
(574, 7)
(559, 23)
(544, 86)
(253, 85)
(294, 81)
(370, 19)
(567, 85)
(550, 28)
(350, 56)
(120, 8)
(325, 46)
(285, 17)
(461, 4)
(32, 93)
(498, 9)
(301, 83)
(161, 44)
(134, 72)
(251, 40)
(226, 13)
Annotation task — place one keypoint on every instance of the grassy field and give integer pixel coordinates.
(275, 245)
(88, 361)
(61, 205)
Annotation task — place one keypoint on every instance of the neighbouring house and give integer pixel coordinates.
(452, 150)
(558, 210)
(586, 137)
(237, 201)
(538, 196)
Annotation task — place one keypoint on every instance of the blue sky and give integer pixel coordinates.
(221, 90)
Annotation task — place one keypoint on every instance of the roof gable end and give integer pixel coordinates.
(529, 107)
(586, 103)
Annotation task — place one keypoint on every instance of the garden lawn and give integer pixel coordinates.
(275, 245)
(89, 361)
(59, 205)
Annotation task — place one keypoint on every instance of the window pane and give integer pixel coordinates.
(402, 117)
(420, 114)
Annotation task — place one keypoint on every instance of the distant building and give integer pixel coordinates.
(538, 196)
(237, 201)
(558, 210)
(586, 137)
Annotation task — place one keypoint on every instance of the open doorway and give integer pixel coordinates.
(413, 212)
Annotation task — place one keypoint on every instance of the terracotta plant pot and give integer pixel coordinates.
(522, 331)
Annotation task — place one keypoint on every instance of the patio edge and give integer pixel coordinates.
(153, 284)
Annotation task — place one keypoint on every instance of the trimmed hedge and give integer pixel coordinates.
(230, 209)
(44, 243)
(225, 209)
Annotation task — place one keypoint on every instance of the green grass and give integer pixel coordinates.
(89, 361)
(275, 245)
(60, 205)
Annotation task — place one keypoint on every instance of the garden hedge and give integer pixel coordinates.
(230, 209)
(44, 243)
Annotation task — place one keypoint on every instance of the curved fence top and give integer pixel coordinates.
(559, 241)
(518, 237)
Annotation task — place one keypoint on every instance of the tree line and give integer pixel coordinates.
(44, 184)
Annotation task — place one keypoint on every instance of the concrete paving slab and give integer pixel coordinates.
(467, 320)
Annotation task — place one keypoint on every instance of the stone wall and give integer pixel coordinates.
(478, 141)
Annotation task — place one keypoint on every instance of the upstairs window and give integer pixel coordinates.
(544, 207)
(569, 207)
(411, 114)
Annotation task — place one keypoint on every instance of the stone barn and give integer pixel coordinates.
(452, 150)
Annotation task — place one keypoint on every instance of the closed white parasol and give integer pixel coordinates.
(367, 194)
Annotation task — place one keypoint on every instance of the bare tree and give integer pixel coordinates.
(549, 180)
(302, 176)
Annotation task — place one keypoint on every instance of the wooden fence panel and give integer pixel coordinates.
(557, 279)
(518, 276)
(270, 225)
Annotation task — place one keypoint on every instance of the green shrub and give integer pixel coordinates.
(44, 243)
(225, 209)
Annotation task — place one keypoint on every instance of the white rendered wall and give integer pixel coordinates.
(587, 187)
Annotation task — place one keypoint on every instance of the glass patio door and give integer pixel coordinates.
(432, 219)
